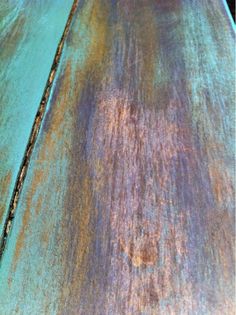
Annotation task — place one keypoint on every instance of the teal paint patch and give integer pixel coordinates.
(30, 33)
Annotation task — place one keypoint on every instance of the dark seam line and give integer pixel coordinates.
(34, 132)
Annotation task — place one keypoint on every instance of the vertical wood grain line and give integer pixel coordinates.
(34, 132)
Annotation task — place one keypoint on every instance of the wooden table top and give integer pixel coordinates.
(117, 157)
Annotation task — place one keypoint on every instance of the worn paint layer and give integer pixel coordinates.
(29, 34)
(127, 207)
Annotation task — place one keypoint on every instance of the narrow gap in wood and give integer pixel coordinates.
(34, 132)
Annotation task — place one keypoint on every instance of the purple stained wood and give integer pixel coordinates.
(127, 206)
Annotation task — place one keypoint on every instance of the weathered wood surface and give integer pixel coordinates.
(127, 207)
(29, 34)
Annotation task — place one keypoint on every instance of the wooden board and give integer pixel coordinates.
(29, 34)
(127, 207)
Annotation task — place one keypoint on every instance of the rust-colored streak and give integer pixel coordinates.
(20, 241)
(142, 251)
(4, 186)
(25, 226)
(222, 183)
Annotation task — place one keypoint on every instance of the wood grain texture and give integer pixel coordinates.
(29, 34)
(128, 207)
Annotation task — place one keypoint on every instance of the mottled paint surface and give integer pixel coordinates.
(29, 35)
(128, 205)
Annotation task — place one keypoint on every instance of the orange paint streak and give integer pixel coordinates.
(4, 188)
(37, 180)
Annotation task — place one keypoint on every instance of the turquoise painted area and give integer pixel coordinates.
(43, 282)
(46, 279)
(29, 34)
